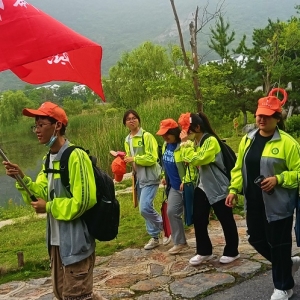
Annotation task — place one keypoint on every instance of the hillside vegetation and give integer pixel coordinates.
(122, 25)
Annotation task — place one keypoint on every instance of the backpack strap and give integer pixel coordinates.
(202, 142)
(159, 150)
(64, 170)
(47, 162)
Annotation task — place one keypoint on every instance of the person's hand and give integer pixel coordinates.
(231, 200)
(39, 205)
(12, 169)
(183, 136)
(163, 181)
(129, 159)
(268, 183)
(181, 186)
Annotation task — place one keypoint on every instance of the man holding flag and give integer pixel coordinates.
(70, 246)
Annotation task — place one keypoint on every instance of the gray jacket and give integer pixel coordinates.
(144, 147)
(211, 180)
(280, 158)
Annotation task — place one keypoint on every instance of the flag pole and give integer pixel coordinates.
(19, 179)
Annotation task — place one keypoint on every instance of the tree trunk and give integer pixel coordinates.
(196, 81)
(186, 61)
(245, 119)
(193, 69)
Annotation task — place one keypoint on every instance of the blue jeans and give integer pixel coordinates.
(153, 219)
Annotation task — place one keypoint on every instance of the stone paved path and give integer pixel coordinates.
(154, 274)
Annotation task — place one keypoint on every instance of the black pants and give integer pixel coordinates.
(201, 220)
(274, 242)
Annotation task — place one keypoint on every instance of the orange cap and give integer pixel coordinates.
(185, 121)
(118, 167)
(47, 109)
(268, 106)
(165, 125)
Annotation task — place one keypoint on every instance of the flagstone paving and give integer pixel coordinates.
(154, 274)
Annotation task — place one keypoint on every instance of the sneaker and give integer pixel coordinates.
(198, 259)
(228, 259)
(178, 248)
(167, 240)
(152, 244)
(281, 295)
(296, 264)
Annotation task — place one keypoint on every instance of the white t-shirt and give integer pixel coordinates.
(54, 238)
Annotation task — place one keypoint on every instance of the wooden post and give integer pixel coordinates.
(20, 259)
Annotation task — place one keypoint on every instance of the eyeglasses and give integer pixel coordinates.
(131, 119)
(40, 126)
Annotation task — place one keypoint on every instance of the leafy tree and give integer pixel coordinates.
(196, 26)
(126, 83)
(288, 71)
(220, 40)
(11, 105)
(39, 95)
(236, 79)
(177, 82)
(72, 107)
(275, 56)
(64, 91)
(275, 52)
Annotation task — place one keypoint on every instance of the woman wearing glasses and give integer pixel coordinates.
(141, 151)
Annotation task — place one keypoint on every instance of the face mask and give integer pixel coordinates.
(52, 139)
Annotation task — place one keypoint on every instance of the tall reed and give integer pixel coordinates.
(101, 133)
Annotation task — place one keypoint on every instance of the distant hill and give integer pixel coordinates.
(123, 25)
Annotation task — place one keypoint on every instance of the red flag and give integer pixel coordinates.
(39, 49)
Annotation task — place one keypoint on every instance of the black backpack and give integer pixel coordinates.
(229, 157)
(103, 218)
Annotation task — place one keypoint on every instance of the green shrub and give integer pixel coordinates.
(293, 126)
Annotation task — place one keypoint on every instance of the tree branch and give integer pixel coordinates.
(186, 61)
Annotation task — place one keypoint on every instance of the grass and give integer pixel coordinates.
(12, 210)
(28, 236)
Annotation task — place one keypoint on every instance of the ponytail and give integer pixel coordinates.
(201, 119)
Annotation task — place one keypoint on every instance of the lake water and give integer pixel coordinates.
(7, 185)
(28, 155)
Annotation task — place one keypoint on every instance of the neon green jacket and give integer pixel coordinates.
(280, 158)
(186, 173)
(207, 157)
(145, 156)
(75, 241)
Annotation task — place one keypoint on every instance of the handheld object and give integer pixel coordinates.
(134, 191)
(258, 180)
(19, 179)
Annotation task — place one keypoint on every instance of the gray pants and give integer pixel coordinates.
(175, 212)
